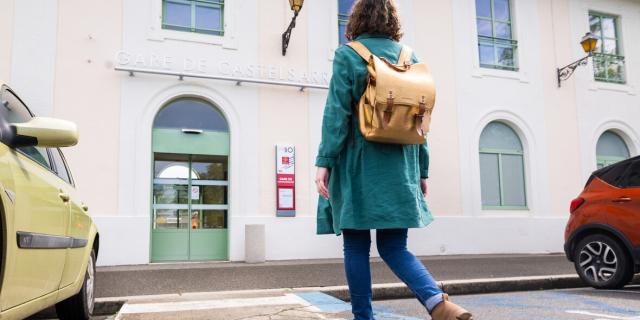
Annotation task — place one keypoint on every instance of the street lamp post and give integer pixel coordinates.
(589, 44)
(296, 6)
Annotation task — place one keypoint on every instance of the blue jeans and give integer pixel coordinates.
(392, 246)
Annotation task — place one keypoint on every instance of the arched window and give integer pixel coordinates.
(610, 149)
(190, 113)
(501, 168)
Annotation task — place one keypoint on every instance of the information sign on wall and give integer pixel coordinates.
(285, 180)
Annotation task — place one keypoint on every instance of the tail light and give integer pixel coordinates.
(575, 204)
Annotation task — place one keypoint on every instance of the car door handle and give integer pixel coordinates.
(622, 199)
(64, 196)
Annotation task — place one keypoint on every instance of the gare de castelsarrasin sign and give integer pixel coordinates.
(221, 68)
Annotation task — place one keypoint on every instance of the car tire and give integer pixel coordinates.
(80, 306)
(602, 262)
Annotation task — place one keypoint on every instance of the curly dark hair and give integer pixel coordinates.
(374, 16)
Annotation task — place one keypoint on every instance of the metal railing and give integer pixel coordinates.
(609, 68)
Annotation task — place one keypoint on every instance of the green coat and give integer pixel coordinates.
(371, 185)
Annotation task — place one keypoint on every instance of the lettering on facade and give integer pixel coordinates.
(222, 68)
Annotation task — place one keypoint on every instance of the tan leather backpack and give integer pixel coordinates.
(396, 105)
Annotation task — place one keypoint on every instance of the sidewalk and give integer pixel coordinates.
(156, 279)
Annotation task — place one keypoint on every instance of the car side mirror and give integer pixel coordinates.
(44, 132)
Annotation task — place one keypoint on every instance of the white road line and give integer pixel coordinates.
(601, 316)
(158, 307)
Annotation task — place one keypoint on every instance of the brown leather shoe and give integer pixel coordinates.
(450, 311)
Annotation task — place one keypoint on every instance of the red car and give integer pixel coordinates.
(602, 237)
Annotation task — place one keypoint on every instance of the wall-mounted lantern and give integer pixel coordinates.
(296, 6)
(589, 44)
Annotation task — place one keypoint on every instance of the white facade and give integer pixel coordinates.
(72, 76)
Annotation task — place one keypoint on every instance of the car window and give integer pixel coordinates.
(631, 177)
(613, 174)
(38, 155)
(14, 111)
(60, 165)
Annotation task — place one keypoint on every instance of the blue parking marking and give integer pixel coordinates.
(329, 304)
(595, 305)
(325, 302)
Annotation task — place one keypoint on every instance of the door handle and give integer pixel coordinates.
(64, 196)
(622, 199)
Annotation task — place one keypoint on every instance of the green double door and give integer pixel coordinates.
(190, 196)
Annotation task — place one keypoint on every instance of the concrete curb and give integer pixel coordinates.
(470, 286)
(387, 291)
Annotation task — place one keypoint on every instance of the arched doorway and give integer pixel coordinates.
(190, 182)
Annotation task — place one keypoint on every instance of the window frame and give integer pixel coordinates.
(193, 29)
(499, 152)
(496, 42)
(605, 58)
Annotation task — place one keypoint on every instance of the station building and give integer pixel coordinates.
(181, 104)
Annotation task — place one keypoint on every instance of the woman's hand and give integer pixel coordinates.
(322, 180)
(423, 186)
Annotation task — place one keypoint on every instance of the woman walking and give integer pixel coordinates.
(365, 185)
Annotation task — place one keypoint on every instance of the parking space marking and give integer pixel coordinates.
(602, 316)
(328, 304)
(159, 307)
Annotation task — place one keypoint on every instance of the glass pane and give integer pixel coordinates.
(177, 14)
(38, 154)
(171, 219)
(172, 169)
(170, 194)
(489, 179)
(208, 17)
(608, 27)
(503, 30)
(610, 46)
(513, 181)
(483, 8)
(344, 6)
(191, 114)
(501, 10)
(14, 110)
(631, 177)
(594, 23)
(209, 167)
(208, 194)
(612, 145)
(214, 219)
(487, 54)
(61, 169)
(614, 71)
(497, 135)
(342, 29)
(505, 56)
(613, 174)
(484, 28)
(599, 70)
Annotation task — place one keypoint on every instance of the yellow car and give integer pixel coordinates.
(49, 243)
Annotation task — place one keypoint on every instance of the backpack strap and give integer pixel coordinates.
(405, 56)
(360, 49)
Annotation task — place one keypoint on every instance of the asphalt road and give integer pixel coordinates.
(570, 304)
(207, 277)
